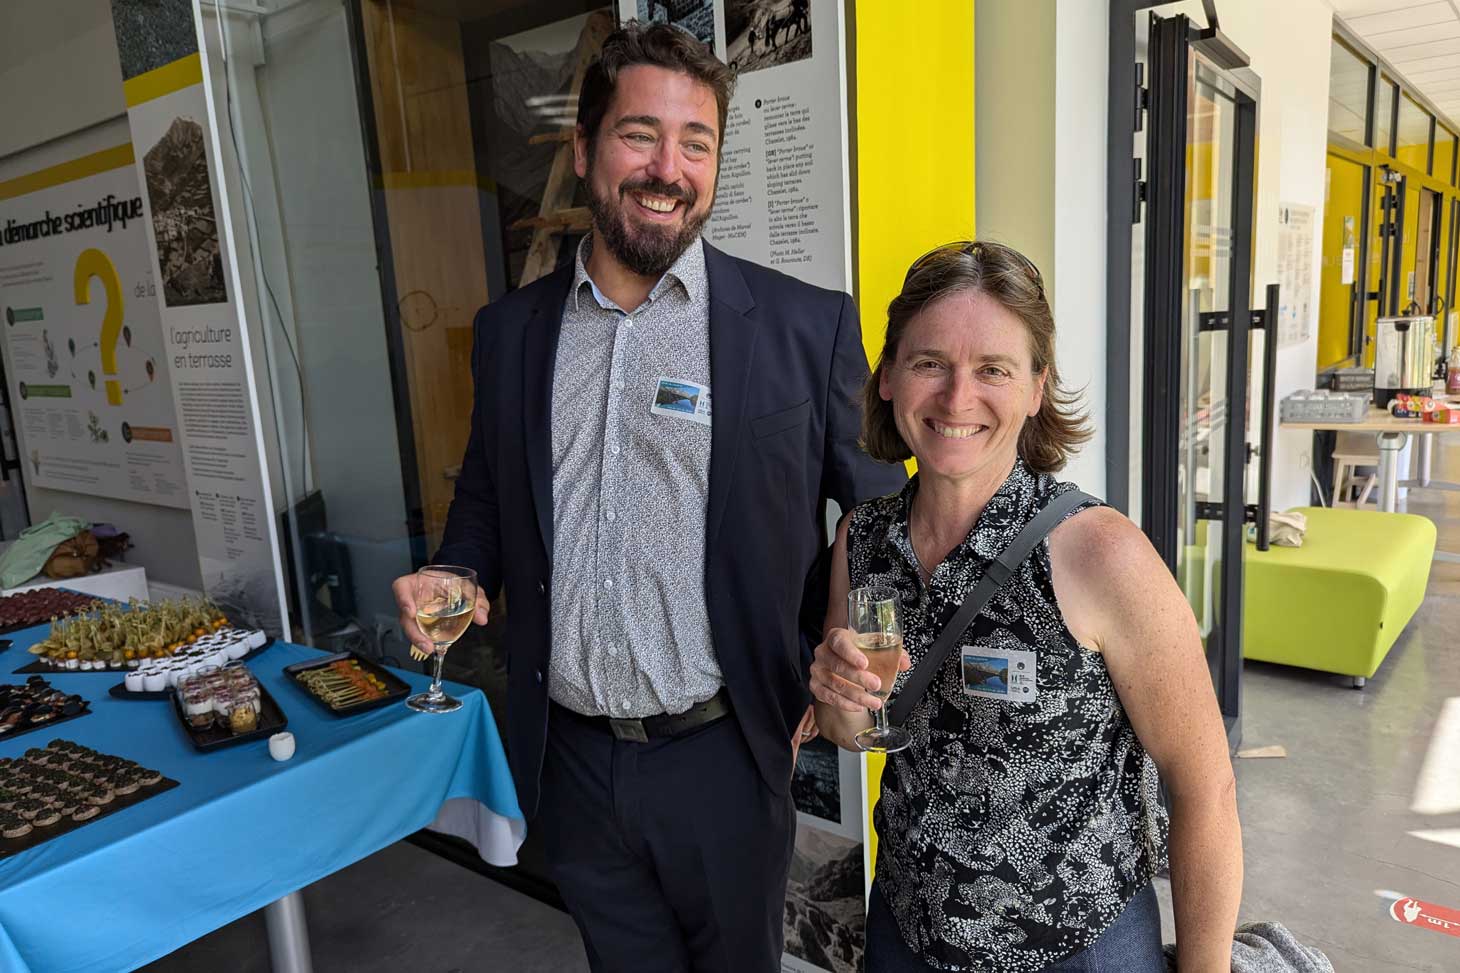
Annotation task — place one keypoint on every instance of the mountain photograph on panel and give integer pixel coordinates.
(696, 17)
(824, 917)
(182, 217)
(766, 33)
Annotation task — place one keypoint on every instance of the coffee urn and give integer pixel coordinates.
(1404, 357)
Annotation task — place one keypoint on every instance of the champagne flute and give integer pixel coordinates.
(875, 617)
(446, 599)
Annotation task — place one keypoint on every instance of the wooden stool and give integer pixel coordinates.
(1350, 451)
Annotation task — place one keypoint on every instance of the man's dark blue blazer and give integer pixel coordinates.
(786, 372)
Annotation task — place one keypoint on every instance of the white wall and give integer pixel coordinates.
(60, 76)
(1080, 106)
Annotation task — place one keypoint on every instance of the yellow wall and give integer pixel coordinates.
(914, 129)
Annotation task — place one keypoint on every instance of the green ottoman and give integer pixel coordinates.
(1338, 603)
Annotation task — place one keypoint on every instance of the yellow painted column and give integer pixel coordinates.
(914, 128)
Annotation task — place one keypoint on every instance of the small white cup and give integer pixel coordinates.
(281, 745)
(155, 681)
(135, 680)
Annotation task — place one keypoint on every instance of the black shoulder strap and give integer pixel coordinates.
(999, 571)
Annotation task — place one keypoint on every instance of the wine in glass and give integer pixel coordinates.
(875, 619)
(446, 599)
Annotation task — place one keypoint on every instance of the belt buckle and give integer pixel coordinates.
(630, 730)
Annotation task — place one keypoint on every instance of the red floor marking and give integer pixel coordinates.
(1413, 912)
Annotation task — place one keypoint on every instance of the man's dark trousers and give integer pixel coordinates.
(672, 855)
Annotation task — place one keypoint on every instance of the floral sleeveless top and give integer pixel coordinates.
(1026, 814)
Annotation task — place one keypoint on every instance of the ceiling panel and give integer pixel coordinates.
(1426, 64)
(1421, 15)
(1420, 38)
(1353, 9)
(1400, 56)
(1422, 79)
(1391, 42)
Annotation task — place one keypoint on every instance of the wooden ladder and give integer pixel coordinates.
(556, 216)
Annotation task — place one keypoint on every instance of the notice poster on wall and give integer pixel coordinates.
(1350, 248)
(205, 347)
(1295, 273)
(91, 394)
(784, 195)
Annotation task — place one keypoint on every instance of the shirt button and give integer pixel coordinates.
(623, 704)
(628, 322)
(618, 386)
(615, 450)
(611, 515)
(608, 583)
(612, 652)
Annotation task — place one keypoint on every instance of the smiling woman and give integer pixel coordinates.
(1035, 731)
(964, 282)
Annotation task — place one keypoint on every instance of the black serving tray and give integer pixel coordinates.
(39, 836)
(46, 725)
(210, 738)
(37, 666)
(396, 687)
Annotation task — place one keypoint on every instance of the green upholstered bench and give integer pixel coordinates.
(1339, 602)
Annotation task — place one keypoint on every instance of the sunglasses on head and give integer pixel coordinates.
(980, 251)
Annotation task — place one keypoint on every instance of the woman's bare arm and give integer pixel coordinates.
(1119, 599)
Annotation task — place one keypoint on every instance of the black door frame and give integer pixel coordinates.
(1163, 194)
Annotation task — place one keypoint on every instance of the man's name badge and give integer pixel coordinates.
(1005, 674)
(679, 399)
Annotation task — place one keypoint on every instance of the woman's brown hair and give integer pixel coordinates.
(1053, 433)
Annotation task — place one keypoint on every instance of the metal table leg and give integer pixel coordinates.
(288, 935)
(1426, 454)
(1390, 443)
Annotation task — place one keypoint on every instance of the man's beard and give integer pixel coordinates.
(646, 249)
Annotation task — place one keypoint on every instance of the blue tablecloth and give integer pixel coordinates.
(242, 830)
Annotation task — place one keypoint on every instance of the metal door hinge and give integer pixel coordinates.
(1138, 196)
(1143, 96)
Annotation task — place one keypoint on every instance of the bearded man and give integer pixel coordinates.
(655, 428)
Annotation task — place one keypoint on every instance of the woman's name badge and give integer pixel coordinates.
(1005, 674)
(680, 399)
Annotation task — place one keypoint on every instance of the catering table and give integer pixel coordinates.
(242, 831)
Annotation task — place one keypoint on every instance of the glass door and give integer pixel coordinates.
(1383, 255)
(1340, 321)
(1197, 284)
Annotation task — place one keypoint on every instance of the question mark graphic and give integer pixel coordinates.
(94, 263)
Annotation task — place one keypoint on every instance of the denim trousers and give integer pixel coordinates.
(1131, 944)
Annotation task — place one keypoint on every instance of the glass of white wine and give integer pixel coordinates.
(874, 616)
(446, 599)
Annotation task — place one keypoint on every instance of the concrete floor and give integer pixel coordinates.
(1327, 830)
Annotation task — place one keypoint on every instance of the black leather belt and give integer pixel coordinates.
(666, 725)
